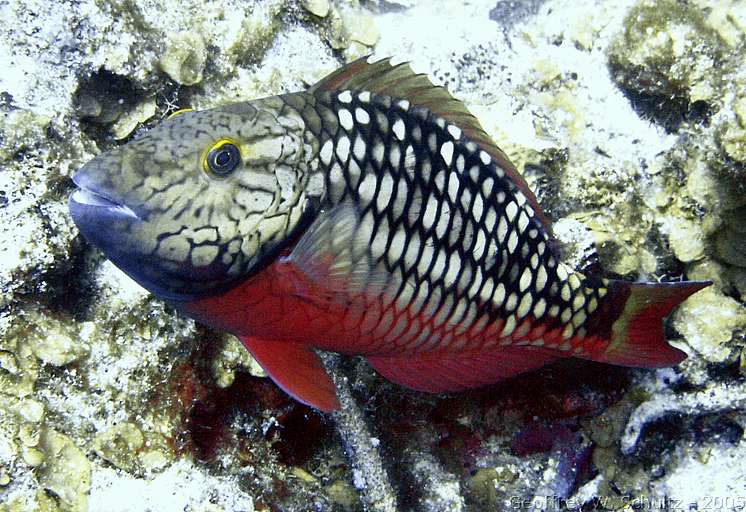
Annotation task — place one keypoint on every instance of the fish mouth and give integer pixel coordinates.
(85, 198)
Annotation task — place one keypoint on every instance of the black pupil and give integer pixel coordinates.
(223, 159)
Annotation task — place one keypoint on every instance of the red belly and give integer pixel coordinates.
(268, 306)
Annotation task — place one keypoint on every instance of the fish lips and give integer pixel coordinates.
(102, 220)
(96, 212)
(106, 224)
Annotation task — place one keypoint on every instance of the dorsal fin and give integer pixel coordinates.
(400, 81)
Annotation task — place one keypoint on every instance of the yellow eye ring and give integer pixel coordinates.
(221, 158)
(179, 112)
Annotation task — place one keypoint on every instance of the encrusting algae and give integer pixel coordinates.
(104, 384)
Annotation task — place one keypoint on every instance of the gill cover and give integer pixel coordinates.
(200, 201)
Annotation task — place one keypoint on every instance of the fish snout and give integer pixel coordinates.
(97, 195)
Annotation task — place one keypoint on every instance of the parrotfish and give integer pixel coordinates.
(370, 215)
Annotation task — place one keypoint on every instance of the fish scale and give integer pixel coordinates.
(372, 215)
(374, 184)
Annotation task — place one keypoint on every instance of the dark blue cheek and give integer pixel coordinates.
(116, 234)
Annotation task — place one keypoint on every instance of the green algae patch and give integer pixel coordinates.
(484, 484)
(666, 59)
(343, 494)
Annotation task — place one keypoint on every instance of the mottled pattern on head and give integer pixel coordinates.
(196, 231)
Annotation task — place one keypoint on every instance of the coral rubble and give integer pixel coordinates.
(628, 118)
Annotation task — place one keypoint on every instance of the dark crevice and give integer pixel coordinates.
(670, 112)
(104, 97)
(660, 437)
(101, 99)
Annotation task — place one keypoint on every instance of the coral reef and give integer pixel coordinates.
(628, 118)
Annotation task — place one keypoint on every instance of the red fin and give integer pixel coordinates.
(636, 336)
(453, 371)
(297, 370)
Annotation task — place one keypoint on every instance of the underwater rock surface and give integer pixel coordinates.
(628, 119)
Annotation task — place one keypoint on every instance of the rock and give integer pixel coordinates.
(154, 460)
(730, 133)
(232, 355)
(730, 239)
(361, 28)
(730, 246)
(318, 8)
(30, 410)
(118, 444)
(191, 487)
(66, 471)
(184, 58)
(32, 456)
(686, 239)
(128, 121)
(728, 19)
(709, 270)
(55, 342)
(343, 494)
(708, 474)
(482, 487)
(665, 60)
(256, 32)
(707, 320)
(35, 236)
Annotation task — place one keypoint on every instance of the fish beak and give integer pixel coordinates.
(91, 198)
(83, 198)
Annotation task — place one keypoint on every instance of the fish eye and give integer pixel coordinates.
(222, 158)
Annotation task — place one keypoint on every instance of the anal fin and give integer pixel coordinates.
(297, 370)
(453, 371)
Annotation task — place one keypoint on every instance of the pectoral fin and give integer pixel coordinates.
(333, 258)
(297, 370)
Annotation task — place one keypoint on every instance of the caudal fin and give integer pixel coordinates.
(636, 336)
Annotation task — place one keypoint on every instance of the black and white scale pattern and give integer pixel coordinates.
(466, 251)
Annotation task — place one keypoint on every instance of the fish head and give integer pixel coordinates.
(199, 202)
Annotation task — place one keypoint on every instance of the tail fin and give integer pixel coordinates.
(635, 338)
